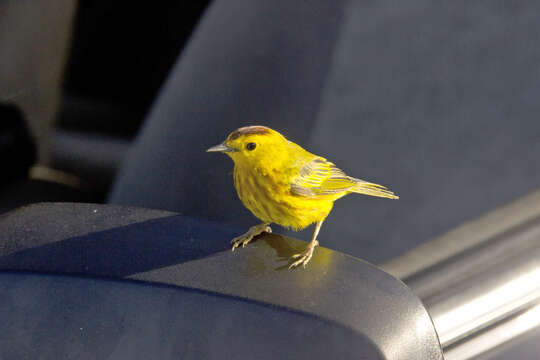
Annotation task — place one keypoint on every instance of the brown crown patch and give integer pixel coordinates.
(249, 130)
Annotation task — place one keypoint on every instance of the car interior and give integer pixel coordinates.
(108, 108)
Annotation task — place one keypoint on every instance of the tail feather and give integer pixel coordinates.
(372, 189)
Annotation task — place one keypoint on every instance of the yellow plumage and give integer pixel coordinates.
(280, 182)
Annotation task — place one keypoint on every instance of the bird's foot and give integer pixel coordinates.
(305, 257)
(247, 237)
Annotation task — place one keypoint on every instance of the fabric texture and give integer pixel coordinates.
(437, 101)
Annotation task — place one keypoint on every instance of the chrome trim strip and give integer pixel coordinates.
(480, 282)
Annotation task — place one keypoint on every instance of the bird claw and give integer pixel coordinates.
(241, 240)
(247, 237)
(303, 258)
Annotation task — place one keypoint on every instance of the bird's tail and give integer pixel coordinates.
(367, 188)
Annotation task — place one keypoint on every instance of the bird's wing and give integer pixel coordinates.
(321, 177)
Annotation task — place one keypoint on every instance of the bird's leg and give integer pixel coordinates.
(304, 257)
(252, 232)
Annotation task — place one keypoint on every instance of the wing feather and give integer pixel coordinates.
(321, 177)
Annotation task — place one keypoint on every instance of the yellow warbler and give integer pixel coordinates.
(280, 182)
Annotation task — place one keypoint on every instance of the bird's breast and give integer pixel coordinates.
(268, 196)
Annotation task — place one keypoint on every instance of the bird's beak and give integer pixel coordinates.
(220, 148)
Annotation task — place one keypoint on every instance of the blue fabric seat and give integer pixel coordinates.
(436, 101)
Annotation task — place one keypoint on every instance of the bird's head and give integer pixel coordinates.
(253, 145)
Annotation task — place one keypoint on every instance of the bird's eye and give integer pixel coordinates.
(251, 146)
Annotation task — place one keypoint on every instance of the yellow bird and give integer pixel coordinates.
(280, 182)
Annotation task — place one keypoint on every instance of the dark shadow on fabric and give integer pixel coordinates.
(126, 250)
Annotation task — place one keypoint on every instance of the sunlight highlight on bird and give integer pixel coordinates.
(281, 183)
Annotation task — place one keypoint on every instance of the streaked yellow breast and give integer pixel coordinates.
(266, 193)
